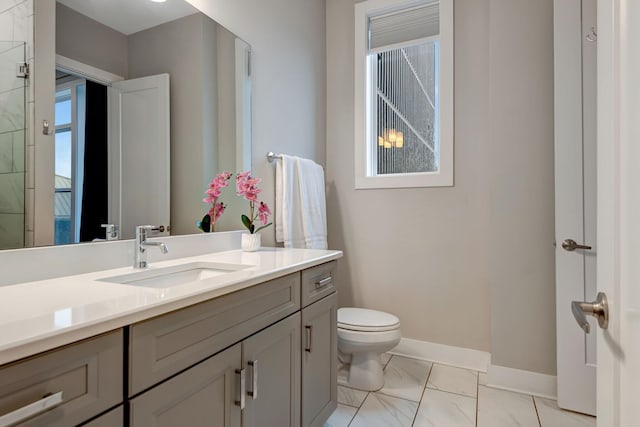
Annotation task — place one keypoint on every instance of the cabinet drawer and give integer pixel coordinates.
(317, 282)
(88, 374)
(165, 345)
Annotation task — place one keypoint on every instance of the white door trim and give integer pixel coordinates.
(574, 188)
(87, 71)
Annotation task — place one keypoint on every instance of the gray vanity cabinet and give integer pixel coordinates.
(204, 395)
(262, 356)
(319, 361)
(211, 393)
(319, 344)
(272, 362)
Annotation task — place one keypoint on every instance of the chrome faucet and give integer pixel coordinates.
(140, 250)
(111, 231)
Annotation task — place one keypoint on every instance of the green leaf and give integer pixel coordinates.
(252, 228)
(246, 221)
(264, 226)
(205, 224)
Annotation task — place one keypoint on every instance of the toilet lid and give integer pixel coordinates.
(362, 319)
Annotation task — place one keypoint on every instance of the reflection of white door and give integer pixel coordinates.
(139, 153)
(619, 211)
(575, 199)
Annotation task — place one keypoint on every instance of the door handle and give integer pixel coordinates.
(598, 309)
(571, 245)
(31, 410)
(241, 373)
(309, 337)
(254, 379)
(324, 282)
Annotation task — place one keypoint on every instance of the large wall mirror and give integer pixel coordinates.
(152, 99)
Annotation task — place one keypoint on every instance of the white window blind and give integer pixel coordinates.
(405, 25)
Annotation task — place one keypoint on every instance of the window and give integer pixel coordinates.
(69, 147)
(404, 94)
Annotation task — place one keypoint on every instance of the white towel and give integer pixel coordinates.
(301, 214)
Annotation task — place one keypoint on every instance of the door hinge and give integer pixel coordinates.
(22, 70)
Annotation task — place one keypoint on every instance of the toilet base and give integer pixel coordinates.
(365, 371)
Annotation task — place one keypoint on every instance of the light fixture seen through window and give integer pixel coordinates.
(391, 139)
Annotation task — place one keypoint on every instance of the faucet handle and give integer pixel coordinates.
(159, 228)
(111, 231)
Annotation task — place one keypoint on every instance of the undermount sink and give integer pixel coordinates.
(175, 275)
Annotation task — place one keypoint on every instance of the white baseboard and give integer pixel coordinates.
(520, 381)
(500, 377)
(443, 354)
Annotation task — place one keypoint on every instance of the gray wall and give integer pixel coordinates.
(90, 42)
(177, 48)
(522, 263)
(449, 261)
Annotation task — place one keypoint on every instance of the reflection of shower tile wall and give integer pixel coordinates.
(16, 28)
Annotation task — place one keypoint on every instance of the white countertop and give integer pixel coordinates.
(41, 315)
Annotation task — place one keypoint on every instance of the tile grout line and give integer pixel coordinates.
(357, 410)
(365, 398)
(535, 407)
(424, 389)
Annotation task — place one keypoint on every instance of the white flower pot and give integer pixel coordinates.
(250, 242)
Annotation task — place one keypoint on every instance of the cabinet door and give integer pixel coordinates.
(319, 361)
(272, 360)
(203, 395)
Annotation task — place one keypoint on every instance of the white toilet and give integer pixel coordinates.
(363, 335)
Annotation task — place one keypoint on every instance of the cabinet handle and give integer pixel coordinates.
(308, 332)
(254, 379)
(31, 410)
(323, 282)
(240, 402)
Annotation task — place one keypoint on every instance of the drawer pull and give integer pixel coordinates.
(240, 402)
(324, 282)
(254, 379)
(31, 410)
(308, 331)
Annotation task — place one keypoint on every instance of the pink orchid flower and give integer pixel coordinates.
(247, 187)
(213, 192)
(263, 213)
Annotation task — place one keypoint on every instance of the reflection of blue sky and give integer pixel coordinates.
(63, 153)
(63, 107)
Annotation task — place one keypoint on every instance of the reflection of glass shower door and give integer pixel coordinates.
(12, 145)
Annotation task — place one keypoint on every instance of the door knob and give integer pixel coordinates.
(571, 245)
(598, 309)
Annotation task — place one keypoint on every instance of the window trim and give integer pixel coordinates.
(362, 99)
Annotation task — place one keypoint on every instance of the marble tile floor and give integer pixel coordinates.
(419, 393)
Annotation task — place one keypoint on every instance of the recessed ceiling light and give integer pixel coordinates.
(158, 1)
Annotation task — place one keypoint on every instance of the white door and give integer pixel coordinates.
(619, 211)
(139, 153)
(575, 198)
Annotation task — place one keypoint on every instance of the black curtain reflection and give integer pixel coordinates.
(96, 173)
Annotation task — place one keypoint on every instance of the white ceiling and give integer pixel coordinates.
(131, 16)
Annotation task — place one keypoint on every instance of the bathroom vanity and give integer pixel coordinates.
(254, 345)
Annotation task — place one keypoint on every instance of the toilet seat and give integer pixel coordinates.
(365, 320)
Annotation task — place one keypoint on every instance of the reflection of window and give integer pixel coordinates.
(404, 93)
(69, 147)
